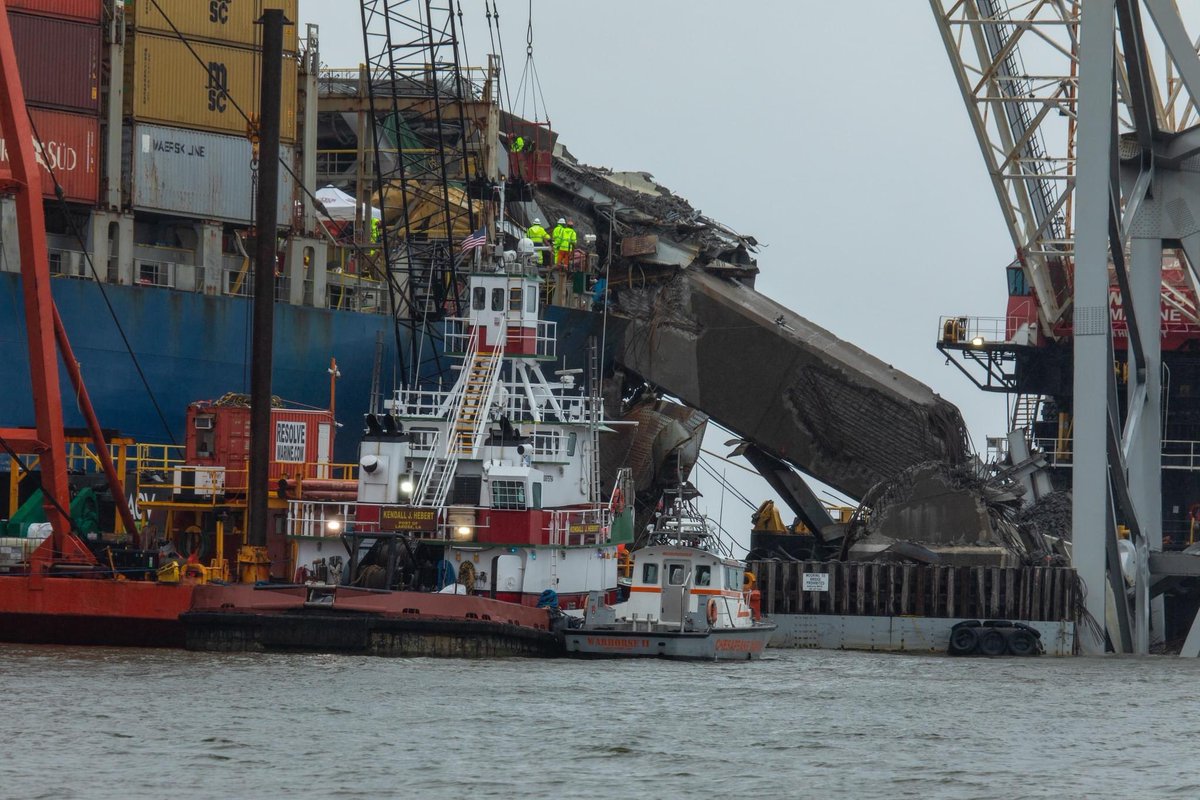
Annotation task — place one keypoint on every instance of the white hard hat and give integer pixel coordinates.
(537, 221)
(562, 221)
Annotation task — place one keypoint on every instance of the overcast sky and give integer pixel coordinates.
(832, 132)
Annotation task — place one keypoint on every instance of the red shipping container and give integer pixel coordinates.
(70, 147)
(219, 436)
(59, 61)
(85, 10)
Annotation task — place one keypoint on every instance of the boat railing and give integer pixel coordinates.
(186, 483)
(319, 518)
(434, 404)
(578, 527)
(460, 332)
(159, 456)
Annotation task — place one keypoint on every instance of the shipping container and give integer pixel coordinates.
(199, 174)
(83, 10)
(70, 147)
(166, 84)
(218, 437)
(229, 22)
(59, 61)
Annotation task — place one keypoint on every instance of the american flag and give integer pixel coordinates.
(475, 240)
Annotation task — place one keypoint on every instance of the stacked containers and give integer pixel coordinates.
(189, 151)
(58, 54)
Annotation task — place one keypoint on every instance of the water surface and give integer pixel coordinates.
(108, 723)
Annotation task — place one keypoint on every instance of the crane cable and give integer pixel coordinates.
(495, 11)
(530, 80)
(60, 196)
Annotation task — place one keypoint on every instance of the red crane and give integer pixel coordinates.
(43, 328)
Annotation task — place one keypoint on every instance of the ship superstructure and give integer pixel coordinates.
(499, 470)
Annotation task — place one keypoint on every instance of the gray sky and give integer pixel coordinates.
(832, 132)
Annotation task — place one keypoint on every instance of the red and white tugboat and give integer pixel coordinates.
(478, 520)
(686, 599)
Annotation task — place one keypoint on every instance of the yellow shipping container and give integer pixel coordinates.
(219, 21)
(166, 84)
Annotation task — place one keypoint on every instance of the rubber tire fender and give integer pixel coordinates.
(963, 640)
(1022, 643)
(992, 643)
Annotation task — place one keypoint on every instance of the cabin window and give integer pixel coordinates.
(531, 302)
(514, 299)
(571, 439)
(537, 494)
(479, 298)
(704, 575)
(676, 574)
(733, 578)
(545, 445)
(508, 495)
(422, 438)
(497, 299)
(650, 573)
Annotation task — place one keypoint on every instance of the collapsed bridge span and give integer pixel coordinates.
(790, 387)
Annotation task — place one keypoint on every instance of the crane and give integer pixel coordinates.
(1085, 121)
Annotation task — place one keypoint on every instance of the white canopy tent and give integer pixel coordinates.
(340, 205)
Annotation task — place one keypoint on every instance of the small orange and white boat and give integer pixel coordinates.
(686, 600)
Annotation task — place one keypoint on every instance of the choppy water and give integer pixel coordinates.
(100, 723)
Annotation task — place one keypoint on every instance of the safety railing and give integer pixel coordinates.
(319, 519)
(579, 528)
(982, 331)
(1177, 454)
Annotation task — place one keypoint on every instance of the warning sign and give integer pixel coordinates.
(290, 439)
(815, 582)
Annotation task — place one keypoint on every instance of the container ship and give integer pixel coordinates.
(138, 107)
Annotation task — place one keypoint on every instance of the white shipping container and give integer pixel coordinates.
(201, 175)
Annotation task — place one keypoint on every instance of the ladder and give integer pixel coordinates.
(468, 419)
(596, 407)
(1026, 412)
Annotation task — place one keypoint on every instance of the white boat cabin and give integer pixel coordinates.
(686, 587)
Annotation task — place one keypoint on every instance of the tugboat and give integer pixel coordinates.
(478, 524)
(686, 598)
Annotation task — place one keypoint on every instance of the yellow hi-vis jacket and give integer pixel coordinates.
(567, 239)
(538, 234)
(556, 234)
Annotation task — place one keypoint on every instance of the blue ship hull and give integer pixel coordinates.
(196, 347)
(191, 347)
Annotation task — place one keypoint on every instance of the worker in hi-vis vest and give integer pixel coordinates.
(566, 245)
(537, 234)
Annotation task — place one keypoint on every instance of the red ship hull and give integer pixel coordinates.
(81, 611)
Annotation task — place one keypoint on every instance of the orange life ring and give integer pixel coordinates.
(617, 505)
(712, 611)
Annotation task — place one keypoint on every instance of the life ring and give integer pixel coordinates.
(617, 505)
(712, 611)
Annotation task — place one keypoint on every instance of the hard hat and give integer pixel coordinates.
(562, 221)
(570, 222)
(537, 221)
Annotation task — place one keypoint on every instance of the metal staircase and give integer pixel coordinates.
(469, 418)
(1026, 412)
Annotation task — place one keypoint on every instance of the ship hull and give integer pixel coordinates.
(83, 611)
(191, 347)
(364, 622)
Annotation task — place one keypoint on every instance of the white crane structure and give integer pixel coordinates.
(1087, 121)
